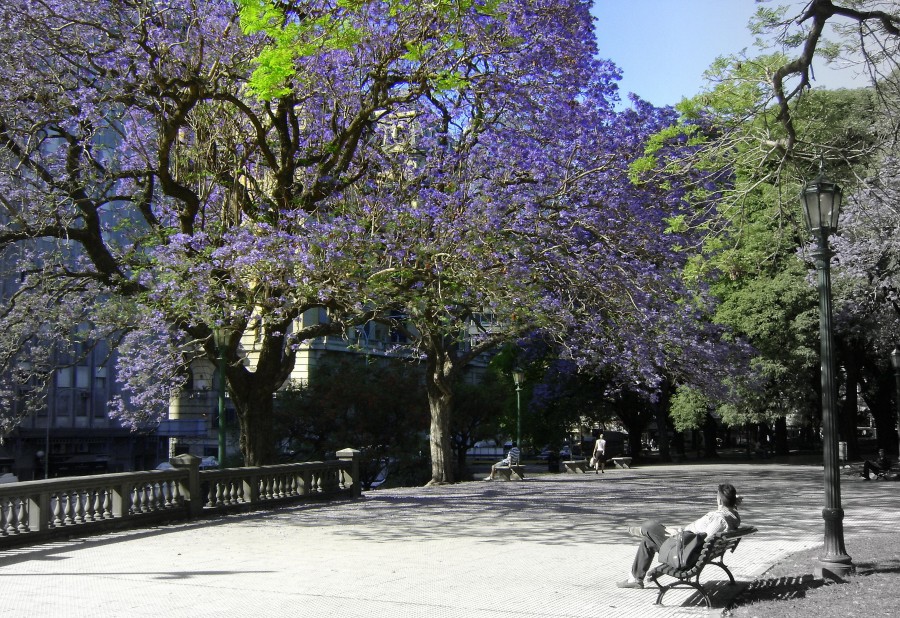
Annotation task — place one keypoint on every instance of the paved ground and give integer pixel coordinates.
(549, 547)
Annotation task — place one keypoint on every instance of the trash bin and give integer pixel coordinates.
(553, 462)
(842, 451)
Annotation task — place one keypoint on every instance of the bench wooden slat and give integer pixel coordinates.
(713, 552)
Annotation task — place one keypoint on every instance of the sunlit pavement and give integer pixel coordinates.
(550, 546)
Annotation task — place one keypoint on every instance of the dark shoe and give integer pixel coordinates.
(629, 584)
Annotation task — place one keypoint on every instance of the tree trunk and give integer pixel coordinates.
(439, 385)
(661, 408)
(848, 413)
(781, 437)
(709, 437)
(257, 439)
(440, 402)
(253, 392)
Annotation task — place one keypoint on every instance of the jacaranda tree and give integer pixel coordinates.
(163, 175)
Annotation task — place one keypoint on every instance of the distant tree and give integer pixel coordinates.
(376, 405)
(479, 411)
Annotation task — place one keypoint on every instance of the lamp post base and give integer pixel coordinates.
(836, 564)
(834, 568)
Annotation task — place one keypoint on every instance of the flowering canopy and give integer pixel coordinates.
(171, 167)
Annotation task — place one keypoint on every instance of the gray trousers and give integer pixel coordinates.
(653, 534)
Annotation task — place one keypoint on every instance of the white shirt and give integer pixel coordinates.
(716, 521)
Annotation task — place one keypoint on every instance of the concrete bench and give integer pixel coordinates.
(507, 472)
(621, 462)
(713, 552)
(576, 465)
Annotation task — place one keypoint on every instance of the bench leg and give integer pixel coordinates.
(721, 564)
(504, 472)
(680, 583)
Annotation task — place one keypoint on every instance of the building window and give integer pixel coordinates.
(64, 377)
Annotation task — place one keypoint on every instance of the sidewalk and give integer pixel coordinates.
(551, 546)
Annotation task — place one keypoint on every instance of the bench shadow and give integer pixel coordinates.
(777, 589)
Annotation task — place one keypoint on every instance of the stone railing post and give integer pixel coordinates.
(351, 455)
(251, 488)
(39, 511)
(192, 493)
(121, 499)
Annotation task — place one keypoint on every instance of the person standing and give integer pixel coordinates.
(599, 455)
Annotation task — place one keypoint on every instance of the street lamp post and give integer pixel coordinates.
(895, 363)
(822, 203)
(518, 378)
(221, 336)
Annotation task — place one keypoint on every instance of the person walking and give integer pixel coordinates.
(599, 455)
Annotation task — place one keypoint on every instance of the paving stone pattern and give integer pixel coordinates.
(551, 546)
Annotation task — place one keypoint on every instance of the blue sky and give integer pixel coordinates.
(664, 46)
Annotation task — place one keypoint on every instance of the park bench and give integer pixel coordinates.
(576, 465)
(713, 552)
(621, 462)
(507, 472)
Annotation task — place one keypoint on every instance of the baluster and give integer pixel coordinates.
(4, 519)
(22, 508)
(135, 501)
(104, 504)
(90, 508)
(150, 503)
(263, 487)
(147, 505)
(164, 495)
(79, 504)
(69, 507)
(11, 508)
(56, 510)
(276, 486)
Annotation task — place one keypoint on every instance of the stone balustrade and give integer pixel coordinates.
(37, 511)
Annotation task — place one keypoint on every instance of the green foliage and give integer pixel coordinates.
(290, 37)
(688, 408)
(753, 266)
(375, 405)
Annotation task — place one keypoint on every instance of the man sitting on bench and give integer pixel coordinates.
(653, 534)
(511, 459)
(881, 465)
